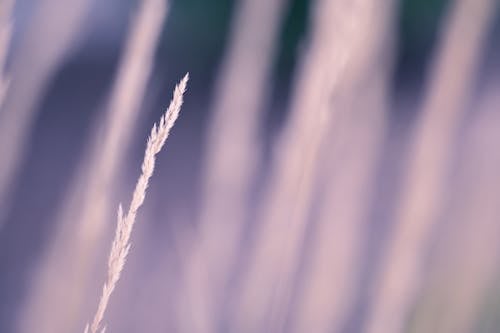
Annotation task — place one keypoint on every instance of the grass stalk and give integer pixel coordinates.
(125, 223)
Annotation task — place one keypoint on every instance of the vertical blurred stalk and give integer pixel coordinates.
(232, 157)
(350, 156)
(56, 25)
(448, 90)
(339, 34)
(64, 279)
(467, 258)
(6, 13)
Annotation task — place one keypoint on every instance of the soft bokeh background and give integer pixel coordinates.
(193, 40)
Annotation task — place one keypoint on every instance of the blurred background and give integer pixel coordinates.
(62, 62)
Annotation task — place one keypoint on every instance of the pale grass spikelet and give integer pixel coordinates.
(87, 329)
(89, 193)
(125, 223)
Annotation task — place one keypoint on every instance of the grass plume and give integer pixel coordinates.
(88, 197)
(125, 223)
